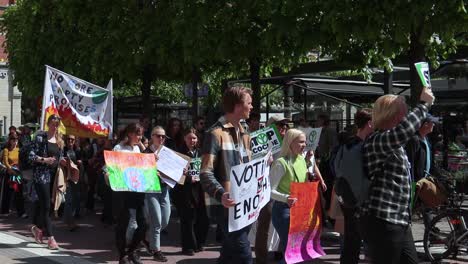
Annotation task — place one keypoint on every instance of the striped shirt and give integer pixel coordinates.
(221, 150)
(389, 169)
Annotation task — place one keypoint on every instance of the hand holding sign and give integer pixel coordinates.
(427, 96)
(226, 201)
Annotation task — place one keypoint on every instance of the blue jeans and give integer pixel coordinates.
(280, 220)
(236, 245)
(158, 208)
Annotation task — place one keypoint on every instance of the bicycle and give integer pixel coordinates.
(447, 233)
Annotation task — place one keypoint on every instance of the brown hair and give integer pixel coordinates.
(362, 116)
(190, 130)
(233, 96)
(10, 136)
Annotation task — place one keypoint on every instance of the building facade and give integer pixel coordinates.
(10, 96)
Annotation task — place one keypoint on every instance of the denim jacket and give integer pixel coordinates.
(42, 173)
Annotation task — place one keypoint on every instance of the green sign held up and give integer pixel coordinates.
(423, 71)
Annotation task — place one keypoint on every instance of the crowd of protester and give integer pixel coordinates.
(396, 151)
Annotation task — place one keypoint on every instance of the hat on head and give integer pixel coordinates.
(276, 119)
(432, 119)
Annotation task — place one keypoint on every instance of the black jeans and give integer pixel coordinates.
(42, 214)
(194, 225)
(135, 201)
(261, 238)
(352, 237)
(388, 243)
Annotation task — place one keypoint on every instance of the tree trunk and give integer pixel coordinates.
(255, 64)
(417, 53)
(147, 79)
(196, 77)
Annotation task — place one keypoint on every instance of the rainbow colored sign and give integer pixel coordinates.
(305, 224)
(132, 172)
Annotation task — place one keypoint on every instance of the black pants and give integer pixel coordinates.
(42, 214)
(261, 238)
(135, 201)
(352, 238)
(388, 243)
(194, 225)
(107, 216)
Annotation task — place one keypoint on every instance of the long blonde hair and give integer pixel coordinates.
(290, 136)
(58, 136)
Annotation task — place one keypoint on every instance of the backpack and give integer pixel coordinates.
(351, 183)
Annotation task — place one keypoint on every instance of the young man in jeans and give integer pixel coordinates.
(386, 215)
(226, 144)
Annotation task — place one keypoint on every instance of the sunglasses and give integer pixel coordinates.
(283, 125)
(71, 139)
(159, 136)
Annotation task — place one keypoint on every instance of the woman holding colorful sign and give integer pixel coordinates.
(158, 204)
(131, 201)
(189, 199)
(290, 167)
(46, 153)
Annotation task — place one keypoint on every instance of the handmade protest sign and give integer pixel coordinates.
(132, 172)
(305, 224)
(264, 139)
(423, 71)
(194, 168)
(250, 189)
(312, 137)
(85, 109)
(171, 164)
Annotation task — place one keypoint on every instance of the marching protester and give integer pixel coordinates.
(264, 218)
(158, 205)
(352, 238)
(226, 144)
(174, 138)
(253, 122)
(13, 180)
(131, 201)
(72, 195)
(290, 167)
(46, 154)
(189, 200)
(387, 213)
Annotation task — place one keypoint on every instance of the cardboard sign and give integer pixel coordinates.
(250, 189)
(85, 109)
(194, 168)
(424, 74)
(132, 172)
(312, 137)
(262, 140)
(305, 224)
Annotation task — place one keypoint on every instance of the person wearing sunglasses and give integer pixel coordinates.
(46, 154)
(11, 161)
(158, 204)
(72, 199)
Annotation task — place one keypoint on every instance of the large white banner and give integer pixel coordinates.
(85, 109)
(250, 189)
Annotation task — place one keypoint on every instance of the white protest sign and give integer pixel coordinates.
(312, 137)
(250, 189)
(423, 71)
(261, 141)
(85, 109)
(194, 168)
(171, 164)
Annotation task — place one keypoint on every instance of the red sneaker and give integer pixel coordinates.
(52, 244)
(37, 233)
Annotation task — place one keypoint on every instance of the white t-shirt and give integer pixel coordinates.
(126, 148)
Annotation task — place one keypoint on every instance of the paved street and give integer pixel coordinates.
(94, 243)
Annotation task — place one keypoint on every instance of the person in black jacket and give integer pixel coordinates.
(189, 199)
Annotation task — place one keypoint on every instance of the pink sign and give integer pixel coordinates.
(305, 224)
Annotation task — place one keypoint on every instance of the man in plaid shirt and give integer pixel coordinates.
(226, 144)
(386, 215)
